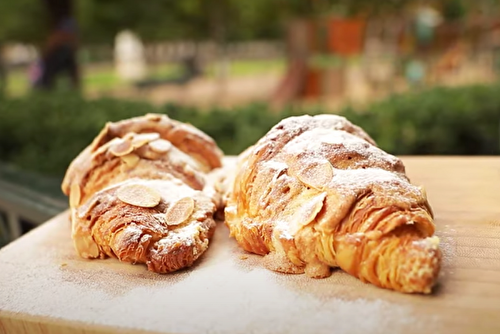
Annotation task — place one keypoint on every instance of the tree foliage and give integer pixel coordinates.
(100, 20)
(171, 19)
(22, 21)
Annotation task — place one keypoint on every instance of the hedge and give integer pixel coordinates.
(42, 133)
(440, 121)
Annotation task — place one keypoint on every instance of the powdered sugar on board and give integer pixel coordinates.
(222, 293)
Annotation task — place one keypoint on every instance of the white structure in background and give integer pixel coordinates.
(130, 62)
(18, 54)
(428, 16)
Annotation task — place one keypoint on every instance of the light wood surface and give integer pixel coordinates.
(46, 288)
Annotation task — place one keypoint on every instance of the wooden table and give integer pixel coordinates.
(45, 287)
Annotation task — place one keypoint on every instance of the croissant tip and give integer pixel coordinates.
(421, 274)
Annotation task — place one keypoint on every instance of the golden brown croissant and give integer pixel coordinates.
(315, 193)
(139, 193)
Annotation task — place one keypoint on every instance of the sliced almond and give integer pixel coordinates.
(307, 212)
(316, 174)
(121, 148)
(180, 211)
(423, 190)
(104, 148)
(139, 195)
(75, 195)
(160, 145)
(131, 160)
(86, 246)
(144, 138)
(87, 207)
(129, 135)
(154, 117)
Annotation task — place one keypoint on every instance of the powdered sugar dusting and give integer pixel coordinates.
(320, 143)
(355, 180)
(314, 139)
(185, 235)
(274, 165)
(358, 165)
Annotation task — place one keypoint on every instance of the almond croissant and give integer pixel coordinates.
(139, 193)
(316, 192)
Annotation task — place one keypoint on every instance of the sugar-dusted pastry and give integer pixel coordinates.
(316, 193)
(139, 193)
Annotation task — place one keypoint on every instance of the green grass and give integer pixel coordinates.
(105, 78)
(164, 71)
(241, 68)
(102, 80)
(17, 83)
(250, 67)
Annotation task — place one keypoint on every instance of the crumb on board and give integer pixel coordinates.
(243, 257)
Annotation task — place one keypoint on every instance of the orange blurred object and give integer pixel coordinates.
(313, 86)
(346, 36)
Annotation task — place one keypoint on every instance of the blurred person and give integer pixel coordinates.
(59, 55)
(426, 20)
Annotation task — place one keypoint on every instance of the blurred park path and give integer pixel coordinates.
(204, 91)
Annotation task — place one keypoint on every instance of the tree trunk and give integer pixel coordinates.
(3, 73)
(218, 11)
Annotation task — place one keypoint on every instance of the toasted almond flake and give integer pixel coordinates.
(154, 117)
(316, 174)
(139, 195)
(74, 195)
(144, 138)
(180, 211)
(131, 160)
(423, 190)
(160, 145)
(129, 135)
(86, 246)
(145, 152)
(188, 170)
(308, 212)
(87, 207)
(73, 218)
(98, 150)
(121, 148)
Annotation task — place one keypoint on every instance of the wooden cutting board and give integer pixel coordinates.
(46, 288)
